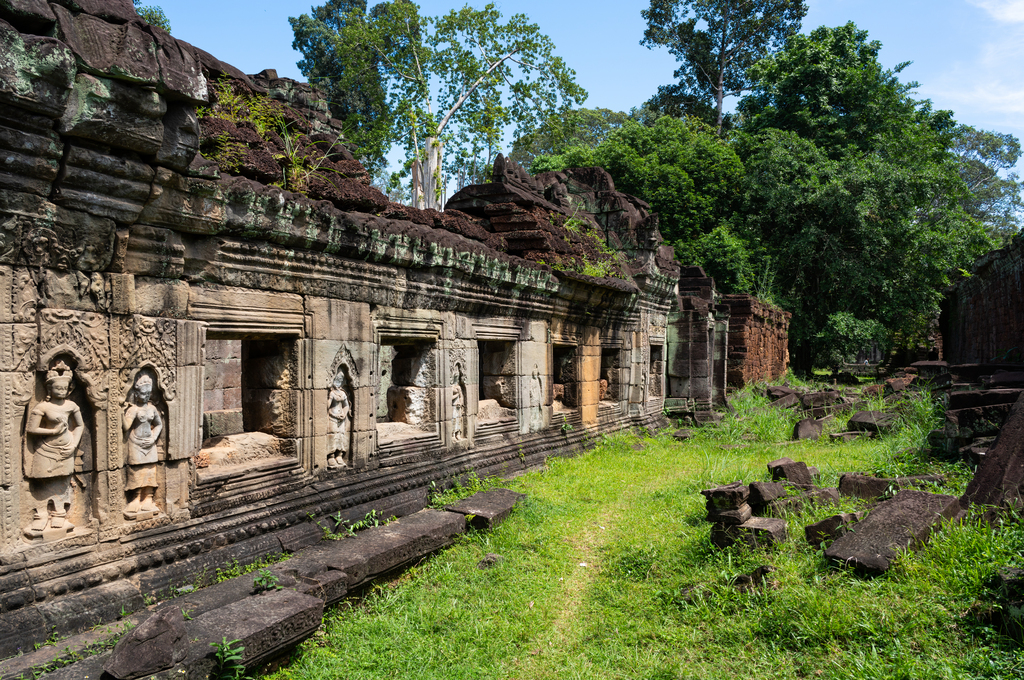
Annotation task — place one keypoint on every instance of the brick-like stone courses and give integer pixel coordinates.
(758, 341)
(983, 314)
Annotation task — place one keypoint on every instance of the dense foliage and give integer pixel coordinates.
(453, 82)
(715, 41)
(852, 189)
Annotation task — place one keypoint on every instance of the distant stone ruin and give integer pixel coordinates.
(194, 361)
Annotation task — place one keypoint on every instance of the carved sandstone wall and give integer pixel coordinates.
(193, 362)
(983, 314)
(758, 341)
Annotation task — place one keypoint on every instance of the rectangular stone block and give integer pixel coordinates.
(159, 297)
(185, 414)
(219, 423)
(339, 320)
(488, 508)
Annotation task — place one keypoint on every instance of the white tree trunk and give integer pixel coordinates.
(430, 175)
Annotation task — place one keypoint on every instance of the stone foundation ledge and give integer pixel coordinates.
(271, 623)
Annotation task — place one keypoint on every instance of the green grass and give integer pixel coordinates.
(608, 573)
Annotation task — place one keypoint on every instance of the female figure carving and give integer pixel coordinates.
(56, 427)
(339, 414)
(142, 425)
(458, 404)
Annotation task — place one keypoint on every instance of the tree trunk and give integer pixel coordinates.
(430, 178)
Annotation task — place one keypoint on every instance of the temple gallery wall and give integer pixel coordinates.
(194, 362)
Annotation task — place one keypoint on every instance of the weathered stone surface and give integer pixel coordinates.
(808, 428)
(797, 502)
(110, 112)
(103, 184)
(1000, 477)
(904, 521)
(267, 625)
(787, 401)
(831, 528)
(156, 645)
(181, 138)
(776, 392)
(736, 515)
(727, 496)
(27, 15)
(790, 470)
(489, 508)
(37, 73)
(380, 549)
(32, 152)
(872, 421)
(867, 487)
(757, 532)
(763, 493)
(820, 399)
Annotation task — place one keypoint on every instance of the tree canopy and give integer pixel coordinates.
(852, 191)
(716, 42)
(579, 127)
(994, 199)
(454, 81)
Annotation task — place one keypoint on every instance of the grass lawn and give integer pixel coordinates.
(607, 572)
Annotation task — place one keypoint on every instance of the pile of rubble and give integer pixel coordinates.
(868, 540)
(819, 407)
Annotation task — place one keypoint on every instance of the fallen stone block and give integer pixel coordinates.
(489, 508)
(727, 496)
(979, 398)
(1000, 477)
(267, 625)
(777, 392)
(756, 532)
(871, 421)
(831, 528)
(849, 436)
(808, 428)
(902, 522)
(158, 644)
(380, 549)
(763, 493)
(787, 401)
(798, 502)
(819, 399)
(755, 580)
(869, 488)
(682, 435)
(790, 470)
(737, 515)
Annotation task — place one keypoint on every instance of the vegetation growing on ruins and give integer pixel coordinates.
(606, 572)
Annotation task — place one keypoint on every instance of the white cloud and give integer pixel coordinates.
(1009, 11)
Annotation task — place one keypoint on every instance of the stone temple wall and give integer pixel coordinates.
(193, 361)
(758, 341)
(982, 317)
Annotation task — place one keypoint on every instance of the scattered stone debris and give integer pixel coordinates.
(158, 644)
(794, 472)
(870, 488)
(876, 422)
(831, 528)
(488, 508)
(904, 521)
(756, 532)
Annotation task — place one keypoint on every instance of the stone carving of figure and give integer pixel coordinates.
(55, 427)
(458, 404)
(339, 414)
(142, 425)
(536, 400)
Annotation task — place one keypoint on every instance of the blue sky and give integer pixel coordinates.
(968, 55)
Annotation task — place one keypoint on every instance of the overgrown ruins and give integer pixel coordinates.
(194, 362)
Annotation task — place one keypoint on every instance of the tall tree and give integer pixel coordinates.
(716, 41)
(352, 79)
(995, 194)
(453, 81)
(852, 191)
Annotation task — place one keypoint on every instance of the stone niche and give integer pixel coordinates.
(499, 385)
(566, 385)
(408, 383)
